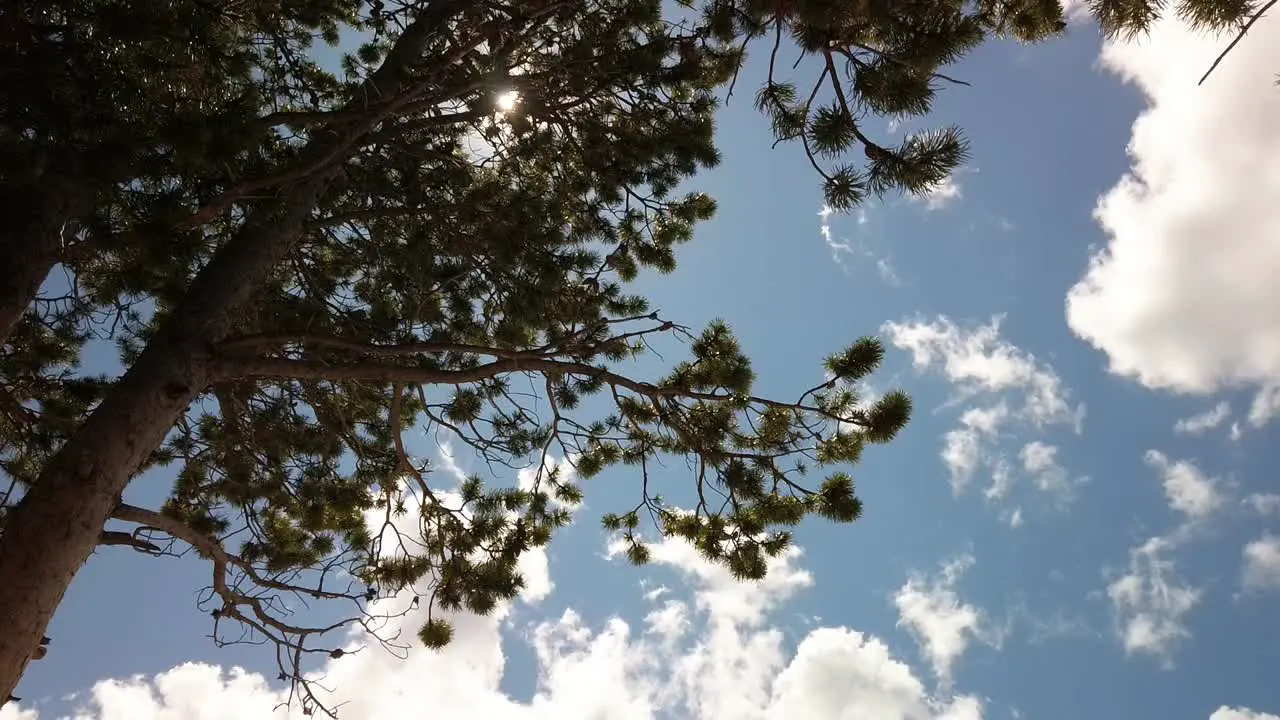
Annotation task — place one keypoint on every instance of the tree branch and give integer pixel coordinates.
(115, 537)
(1239, 36)
(510, 362)
(381, 96)
(251, 608)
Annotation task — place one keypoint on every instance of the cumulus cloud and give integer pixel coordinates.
(1262, 563)
(942, 624)
(1182, 295)
(1009, 393)
(1151, 603)
(717, 656)
(1239, 713)
(1189, 490)
(12, 711)
(1203, 422)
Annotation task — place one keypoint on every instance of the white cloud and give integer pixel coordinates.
(1151, 603)
(1265, 405)
(979, 360)
(449, 462)
(1239, 713)
(887, 273)
(718, 657)
(1263, 503)
(1188, 489)
(1205, 421)
(1077, 12)
(963, 448)
(1037, 457)
(1040, 460)
(838, 248)
(1262, 563)
(962, 455)
(843, 674)
(13, 711)
(986, 420)
(942, 624)
(843, 250)
(1015, 519)
(1183, 295)
(1020, 393)
(1002, 481)
(941, 195)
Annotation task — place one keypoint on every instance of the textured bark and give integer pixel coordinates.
(30, 245)
(52, 532)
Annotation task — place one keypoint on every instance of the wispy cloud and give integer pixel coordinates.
(942, 624)
(1205, 421)
(1040, 461)
(1189, 490)
(1265, 405)
(1009, 393)
(1263, 503)
(1151, 603)
(979, 360)
(845, 252)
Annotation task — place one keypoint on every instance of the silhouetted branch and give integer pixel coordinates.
(1239, 36)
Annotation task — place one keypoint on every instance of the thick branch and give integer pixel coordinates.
(263, 341)
(372, 371)
(115, 537)
(209, 547)
(379, 97)
(50, 535)
(259, 618)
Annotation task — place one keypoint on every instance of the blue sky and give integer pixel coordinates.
(1078, 521)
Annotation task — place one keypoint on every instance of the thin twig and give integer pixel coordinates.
(1239, 36)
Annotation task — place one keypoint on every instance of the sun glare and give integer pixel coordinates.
(507, 101)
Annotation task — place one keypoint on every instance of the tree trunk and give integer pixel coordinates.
(30, 246)
(53, 530)
(56, 526)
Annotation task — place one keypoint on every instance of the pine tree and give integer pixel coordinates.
(877, 59)
(100, 94)
(297, 266)
(881, 59)
(288, 307)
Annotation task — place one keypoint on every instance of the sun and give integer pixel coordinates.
(507, 101)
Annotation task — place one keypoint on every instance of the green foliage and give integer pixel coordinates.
(874, 60)
(462, 268)
(435, 633)
(435, 280)
(866, 60)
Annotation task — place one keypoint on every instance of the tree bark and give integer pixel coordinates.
(51, 533)
(30, 246)
(56, 526)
